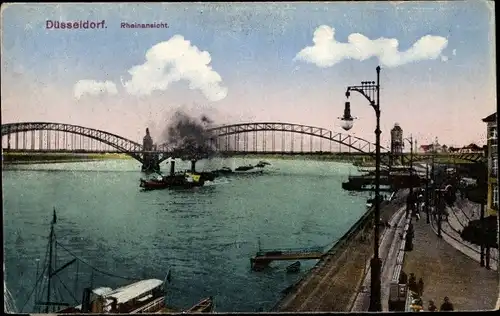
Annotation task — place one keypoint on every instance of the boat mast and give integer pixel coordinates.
(49, 270)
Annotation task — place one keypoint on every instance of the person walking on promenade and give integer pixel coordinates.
(432, 307)
(447, 306)
(412, 283)
(403, 278)
(420, 286)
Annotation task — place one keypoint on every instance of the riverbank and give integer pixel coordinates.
(36, 158)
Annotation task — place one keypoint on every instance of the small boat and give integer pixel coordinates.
(244, 168)
(248, 169)
(262, 164)
(145, 296)
(204, 306)
(293, 268)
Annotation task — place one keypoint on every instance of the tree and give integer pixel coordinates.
(474, 233)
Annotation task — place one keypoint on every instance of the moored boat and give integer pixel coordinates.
(294, 267)
(145, 296)
(204, 306)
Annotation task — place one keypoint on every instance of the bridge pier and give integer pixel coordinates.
(150, 163)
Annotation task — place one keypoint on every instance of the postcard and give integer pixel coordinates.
(249, 157)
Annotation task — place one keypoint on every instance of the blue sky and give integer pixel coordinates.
(252, 47)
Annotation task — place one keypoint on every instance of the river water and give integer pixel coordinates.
(205, 236)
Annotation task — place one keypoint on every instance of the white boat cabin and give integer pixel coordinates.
(142, 296)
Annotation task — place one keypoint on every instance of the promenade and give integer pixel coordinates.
(332, 285)
(389, 245)
(447, 271)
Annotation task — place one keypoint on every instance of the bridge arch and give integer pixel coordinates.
(359, 144)
(122, 144)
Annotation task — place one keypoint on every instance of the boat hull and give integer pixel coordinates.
(204, 306)
(176, 181)
(294, 267)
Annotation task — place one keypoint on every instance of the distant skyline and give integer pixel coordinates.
(253, 62)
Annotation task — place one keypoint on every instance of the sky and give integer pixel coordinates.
(253, 62)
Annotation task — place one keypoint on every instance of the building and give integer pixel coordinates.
(491, 122)
(471, 148)
(434, 147)
(396, 143)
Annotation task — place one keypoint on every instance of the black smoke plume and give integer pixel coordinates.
(190, 138)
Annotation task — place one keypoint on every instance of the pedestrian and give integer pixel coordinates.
(432, 307)
(420, 286)
(447, 306)
(403, 278)
(412, 283)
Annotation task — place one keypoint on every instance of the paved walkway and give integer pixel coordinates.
(446, 271)
(389, 245)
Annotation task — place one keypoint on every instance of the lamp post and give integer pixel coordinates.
(427, 192)
(371, 91)
(412, 198)
(433, 178)
(439, 209)
(497, 125)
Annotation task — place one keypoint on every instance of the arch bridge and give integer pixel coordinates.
(227, 138)
(37, 137)
(234, 139)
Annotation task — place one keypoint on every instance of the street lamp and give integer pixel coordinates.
(412, 198)
(371, 91)
(427, 191)
(347, 119)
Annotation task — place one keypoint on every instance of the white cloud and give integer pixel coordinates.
(327, 52)
(454, 52)
(444, 58)
(175, 60)
(94, 88)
